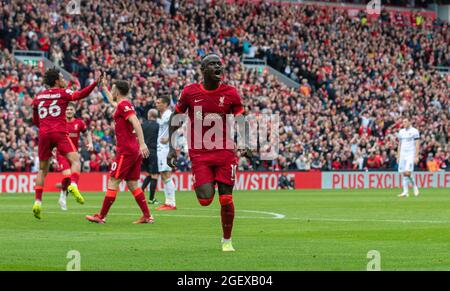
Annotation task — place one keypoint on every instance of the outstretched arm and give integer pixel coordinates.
(108, 95)
(83, 93)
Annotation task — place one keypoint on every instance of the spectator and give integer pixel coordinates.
(374, 161)
(285, 182)
(94, 163)
(432, 163)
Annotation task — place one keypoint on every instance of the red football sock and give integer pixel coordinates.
(227, 214)
(140, 199)
(205, 201)
(75, 177)
(110, 197)
(65, 182)
(38, 192)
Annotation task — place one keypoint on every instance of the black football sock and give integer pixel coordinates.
(145, 183)
(153, 183)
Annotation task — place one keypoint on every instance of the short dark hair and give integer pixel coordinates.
(202, 64)
(122, 86)
(165, 100)
(72, 104)
(210, 54)
(51, 76)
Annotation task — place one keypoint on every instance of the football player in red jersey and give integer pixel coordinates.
(49, 108)
(130, 149)
(75, 126)
(213, 162)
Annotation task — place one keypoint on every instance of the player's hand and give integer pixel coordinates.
(171, 156)
(103, 84)
(144, 150)
(90, 147)
(100, 79)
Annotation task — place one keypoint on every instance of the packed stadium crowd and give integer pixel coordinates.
(358, 78)
(397, 3)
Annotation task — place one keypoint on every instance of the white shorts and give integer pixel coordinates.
(406, 164)
(162, 160)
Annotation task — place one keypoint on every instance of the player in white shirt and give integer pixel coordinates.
(408, 155)
(162, 104)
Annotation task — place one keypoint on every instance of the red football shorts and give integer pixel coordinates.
(218, 166)
(63, 162)
(126, 167)
(48, 141)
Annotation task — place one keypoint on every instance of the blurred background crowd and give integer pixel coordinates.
(358, 76)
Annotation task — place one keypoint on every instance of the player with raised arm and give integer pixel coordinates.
(49, 107)
(130, 149)
(408, 155)
(213, 162)
(162, 104)
(75, 126)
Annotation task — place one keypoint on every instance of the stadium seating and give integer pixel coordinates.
(357, 78)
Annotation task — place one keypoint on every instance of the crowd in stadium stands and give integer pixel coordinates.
(358, 77)
(404, 3)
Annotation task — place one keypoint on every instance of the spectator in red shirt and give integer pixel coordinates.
(44, 43)
(374, 161)
(336, 165)
(94, 163)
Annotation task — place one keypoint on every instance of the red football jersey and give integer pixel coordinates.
(49, 107)
(75, 127)
(126, 140)
(204, 109)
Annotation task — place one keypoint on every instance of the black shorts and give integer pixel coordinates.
(150, 164)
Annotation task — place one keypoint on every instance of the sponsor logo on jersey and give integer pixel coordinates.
(128, 108)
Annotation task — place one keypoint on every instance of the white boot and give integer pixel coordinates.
(62, 200)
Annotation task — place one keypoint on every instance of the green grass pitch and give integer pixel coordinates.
(274, 230)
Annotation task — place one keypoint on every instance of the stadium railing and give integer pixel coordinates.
(39, 59)
(260, 64)
(442, 70)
